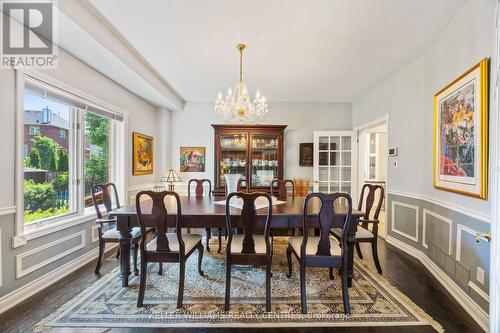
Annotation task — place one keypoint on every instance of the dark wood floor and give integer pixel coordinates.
(402, 270)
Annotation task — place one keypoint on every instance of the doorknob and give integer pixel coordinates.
(316, 181)
(485, 235)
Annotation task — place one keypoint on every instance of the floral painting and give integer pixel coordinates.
(142, 154)
(461, 134)
(192, 159)
(457, 133)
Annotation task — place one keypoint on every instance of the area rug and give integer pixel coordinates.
(106, 304)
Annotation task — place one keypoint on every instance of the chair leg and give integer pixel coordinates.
(142, 282)
(160, 268)
(135, 249)
(200, 258)
(208, 234)
(219, 237)
(375, 256)
(268, 286)
(289, 260)
(182, 273)
(101, 256)
(332, 276)
(118, 253)
(358, 249)
(345, 289)
(303, 300)
(228, 286)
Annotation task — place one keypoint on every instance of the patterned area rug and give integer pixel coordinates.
(106, 304)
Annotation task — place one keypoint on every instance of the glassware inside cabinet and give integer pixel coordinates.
(233, 155)
(264, 159)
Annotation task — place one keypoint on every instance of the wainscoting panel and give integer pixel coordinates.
(438, 229)
(68, 244)
(448, 241)
(405, 220)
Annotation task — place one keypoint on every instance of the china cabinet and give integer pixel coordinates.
(254, 151)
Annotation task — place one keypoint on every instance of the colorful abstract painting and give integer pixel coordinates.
(142, 154)
(461, 134)
(192, 159)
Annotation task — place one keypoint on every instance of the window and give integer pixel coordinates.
(34, 130)
(81, 145)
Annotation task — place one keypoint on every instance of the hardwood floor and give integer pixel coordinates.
(402, 270)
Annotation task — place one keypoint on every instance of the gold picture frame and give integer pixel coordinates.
(143, 154)
(461, 134)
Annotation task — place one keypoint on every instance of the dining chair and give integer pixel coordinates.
(279, 186)
(363, 233)
(199, 192)
(322, 250)
(103, 194)
(248, 248)
(165, 247)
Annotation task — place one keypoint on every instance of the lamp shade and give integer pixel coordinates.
(171, 177)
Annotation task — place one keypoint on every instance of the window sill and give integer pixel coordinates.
(32, 233)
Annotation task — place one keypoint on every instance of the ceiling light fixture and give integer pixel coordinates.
(239, 107)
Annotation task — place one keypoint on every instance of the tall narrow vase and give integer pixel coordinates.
(232, 183)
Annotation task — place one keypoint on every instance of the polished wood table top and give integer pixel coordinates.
(205, 206)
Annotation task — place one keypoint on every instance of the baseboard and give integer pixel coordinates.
(474, 310)
(17, 296)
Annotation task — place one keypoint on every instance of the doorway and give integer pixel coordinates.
(373, 163)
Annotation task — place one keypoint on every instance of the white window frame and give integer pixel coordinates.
(62, 133)
(32, 130)
(119, 129)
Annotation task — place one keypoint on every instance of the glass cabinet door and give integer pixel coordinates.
(264, 159)
(233, 156)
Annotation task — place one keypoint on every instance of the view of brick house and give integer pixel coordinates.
(46, 123)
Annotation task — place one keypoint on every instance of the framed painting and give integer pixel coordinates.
(461, 134)
(192, 159)
(142, 154)
(306, 154)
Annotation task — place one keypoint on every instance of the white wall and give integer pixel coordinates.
(191, 127)
(408, 98)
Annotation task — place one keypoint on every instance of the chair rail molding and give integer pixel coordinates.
(9, 210)
(393, 217)
(20, 272)
(471, 307)
(471, 213)
(439, 217)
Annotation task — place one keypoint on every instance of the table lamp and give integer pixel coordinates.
(171, 178)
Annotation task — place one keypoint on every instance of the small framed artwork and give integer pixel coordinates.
(142, 154)
(461, 134)
(192, 159)
(306, 154)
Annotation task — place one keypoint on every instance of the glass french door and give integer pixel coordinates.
(335, 162)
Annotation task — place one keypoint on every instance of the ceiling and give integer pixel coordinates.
(297, 50)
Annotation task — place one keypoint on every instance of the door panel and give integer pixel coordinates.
(335, 162)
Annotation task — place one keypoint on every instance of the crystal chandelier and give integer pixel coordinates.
(239, 107)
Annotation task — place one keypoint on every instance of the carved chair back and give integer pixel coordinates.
(280, 184)
(199, 189)
(103, 193)
(157, 219)
(248, 221)
(367, 198)
(326, 218)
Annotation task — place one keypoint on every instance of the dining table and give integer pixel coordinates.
(207, 212)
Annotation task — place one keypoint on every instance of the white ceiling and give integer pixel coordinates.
(297, 50)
